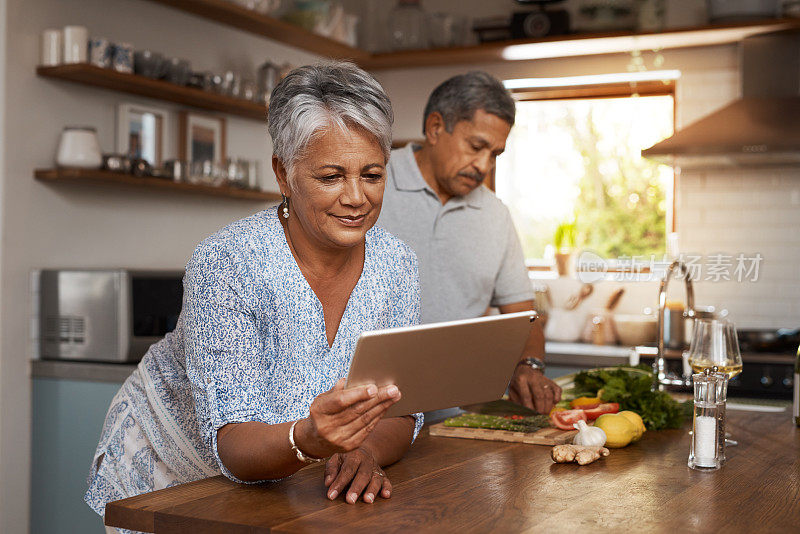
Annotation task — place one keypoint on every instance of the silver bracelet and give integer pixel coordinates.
(300, 456)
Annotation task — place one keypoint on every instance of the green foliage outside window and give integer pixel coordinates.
(621, 208)
(579, 160)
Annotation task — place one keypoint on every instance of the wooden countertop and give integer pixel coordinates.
(447, 484)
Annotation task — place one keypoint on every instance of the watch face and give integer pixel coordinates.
(536, 363)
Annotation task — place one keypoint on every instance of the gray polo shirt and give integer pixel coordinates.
(469, 253)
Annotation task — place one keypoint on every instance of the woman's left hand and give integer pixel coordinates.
(359, 469)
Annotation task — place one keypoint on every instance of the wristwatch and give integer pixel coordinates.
(534, 363)
(300, 455)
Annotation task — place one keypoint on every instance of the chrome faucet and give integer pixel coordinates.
(663, 378)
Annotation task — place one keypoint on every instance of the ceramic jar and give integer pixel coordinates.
(79, 148)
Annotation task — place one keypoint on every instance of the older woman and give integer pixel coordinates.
(250, 383)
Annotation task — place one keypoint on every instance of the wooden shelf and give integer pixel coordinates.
(140, 85)
(248, 20)
(584, 44)
(581, 44)
(100, 177)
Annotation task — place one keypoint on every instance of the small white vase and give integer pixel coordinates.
(79, 148)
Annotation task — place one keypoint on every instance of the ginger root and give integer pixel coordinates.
(580, 454)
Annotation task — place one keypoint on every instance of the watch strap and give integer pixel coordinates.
(535, 363)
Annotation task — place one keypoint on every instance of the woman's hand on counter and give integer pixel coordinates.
(359, 469)
(341, 419)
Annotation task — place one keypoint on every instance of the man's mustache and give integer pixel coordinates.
(478, 177)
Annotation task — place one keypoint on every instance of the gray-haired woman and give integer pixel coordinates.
(250, 383)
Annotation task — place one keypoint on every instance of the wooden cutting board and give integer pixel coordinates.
(543, 436)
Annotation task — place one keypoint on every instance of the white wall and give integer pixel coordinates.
(84, 226)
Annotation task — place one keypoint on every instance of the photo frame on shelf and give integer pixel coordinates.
(141, 131)
(201, 137)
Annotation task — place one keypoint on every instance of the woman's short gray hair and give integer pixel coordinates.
(316, 97)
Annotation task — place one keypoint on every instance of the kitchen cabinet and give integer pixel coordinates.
(231, 14)
(68, 416)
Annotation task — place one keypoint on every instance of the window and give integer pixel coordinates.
(573, 156)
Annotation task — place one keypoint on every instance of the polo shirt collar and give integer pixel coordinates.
(409, 178)
(412, 180)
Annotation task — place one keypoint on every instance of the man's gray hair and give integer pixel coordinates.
(458, 98)
(330, 94)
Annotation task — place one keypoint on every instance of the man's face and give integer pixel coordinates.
(463, 159)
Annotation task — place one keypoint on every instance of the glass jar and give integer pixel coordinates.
(407, 26)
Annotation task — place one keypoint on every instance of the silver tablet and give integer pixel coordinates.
(442, 365)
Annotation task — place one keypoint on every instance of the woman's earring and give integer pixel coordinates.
(285, 206)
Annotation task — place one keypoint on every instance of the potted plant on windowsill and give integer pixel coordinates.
(564, 242)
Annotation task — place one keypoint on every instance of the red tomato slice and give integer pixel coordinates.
(608, 407)
(566, 418)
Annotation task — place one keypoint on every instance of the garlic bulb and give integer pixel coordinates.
(589, 436)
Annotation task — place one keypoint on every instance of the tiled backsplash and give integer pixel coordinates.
(747, 212)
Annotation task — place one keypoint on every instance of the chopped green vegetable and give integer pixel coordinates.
(631, 387)
(496, 422)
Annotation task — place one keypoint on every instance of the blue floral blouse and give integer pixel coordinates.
(250, 345)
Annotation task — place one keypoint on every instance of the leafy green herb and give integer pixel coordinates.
(632, 389)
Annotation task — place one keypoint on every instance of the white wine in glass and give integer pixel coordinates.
(731, 370)
(715, 343)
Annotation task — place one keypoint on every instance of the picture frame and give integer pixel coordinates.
(141, 132)
(202, 138)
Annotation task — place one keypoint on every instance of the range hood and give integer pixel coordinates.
(760, 129)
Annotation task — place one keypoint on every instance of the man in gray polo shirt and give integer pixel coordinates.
(469, 254)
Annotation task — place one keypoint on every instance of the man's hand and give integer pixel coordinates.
(532, 389)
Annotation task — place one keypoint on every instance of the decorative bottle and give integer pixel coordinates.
(407, 26)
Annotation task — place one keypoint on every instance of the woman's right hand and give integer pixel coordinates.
(341, 419)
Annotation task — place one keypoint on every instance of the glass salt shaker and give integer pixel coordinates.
(704, 453)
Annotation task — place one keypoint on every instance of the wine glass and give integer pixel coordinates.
(715, 343)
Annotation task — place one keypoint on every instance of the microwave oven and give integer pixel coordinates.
(106, 315)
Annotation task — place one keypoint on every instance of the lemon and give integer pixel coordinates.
(636, 419)
(619, 430)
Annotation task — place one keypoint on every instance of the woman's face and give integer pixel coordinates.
(337, 187)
